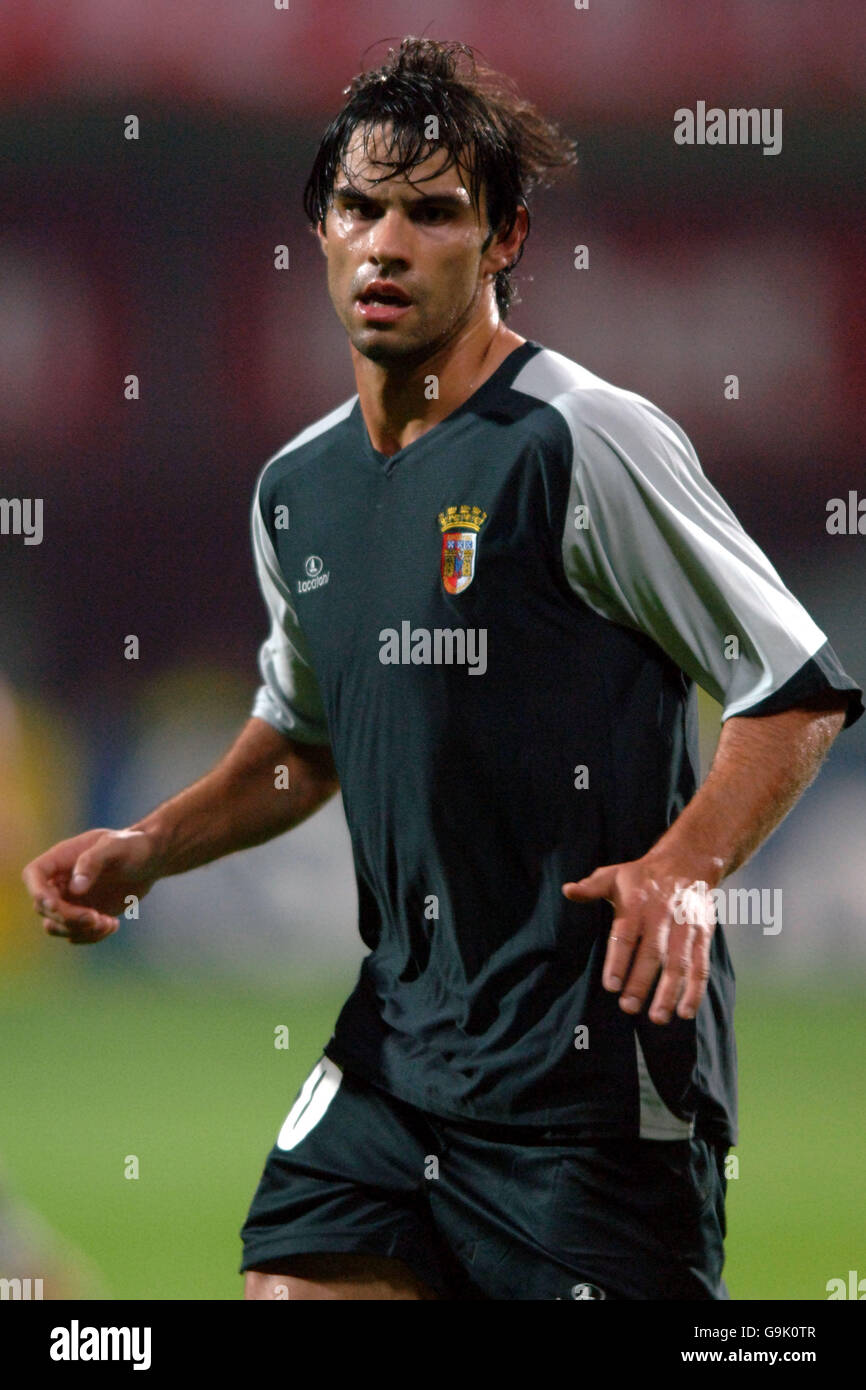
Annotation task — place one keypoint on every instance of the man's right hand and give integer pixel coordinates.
(79, 886)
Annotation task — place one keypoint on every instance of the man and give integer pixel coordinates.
(494, 580)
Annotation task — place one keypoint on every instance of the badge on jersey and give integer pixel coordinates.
(460, 527)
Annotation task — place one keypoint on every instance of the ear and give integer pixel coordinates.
(322, 236)
(503, 250)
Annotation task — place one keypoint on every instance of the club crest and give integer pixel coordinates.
(460, 527)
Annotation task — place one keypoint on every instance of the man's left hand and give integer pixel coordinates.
(661, 922)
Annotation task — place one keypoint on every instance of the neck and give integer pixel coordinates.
(394, 396)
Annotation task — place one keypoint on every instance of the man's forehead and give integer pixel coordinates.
(369, 157)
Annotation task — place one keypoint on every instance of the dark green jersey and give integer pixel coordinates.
(499, 630)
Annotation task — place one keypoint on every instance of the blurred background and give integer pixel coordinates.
(154, 256)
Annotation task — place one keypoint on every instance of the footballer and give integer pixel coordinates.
(494, 582)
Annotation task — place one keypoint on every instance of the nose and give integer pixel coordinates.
(389, 240)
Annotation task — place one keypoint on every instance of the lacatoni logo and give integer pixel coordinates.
(438, 646)
(76, 1343)
(316, 573)
(739, 125)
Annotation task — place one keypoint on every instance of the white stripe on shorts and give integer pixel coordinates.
(316, 1095)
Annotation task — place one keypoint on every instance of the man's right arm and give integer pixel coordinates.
(79, 886)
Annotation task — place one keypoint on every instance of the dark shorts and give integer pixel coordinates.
(483, 1211)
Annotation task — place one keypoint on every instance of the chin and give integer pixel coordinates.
(381, 346)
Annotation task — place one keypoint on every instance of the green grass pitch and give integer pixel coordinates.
(185, 1076)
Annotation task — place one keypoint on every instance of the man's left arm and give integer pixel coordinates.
(762, 766)
(663, 554)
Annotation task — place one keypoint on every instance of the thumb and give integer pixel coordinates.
(88, 866)
(81, 878)
(598, 884)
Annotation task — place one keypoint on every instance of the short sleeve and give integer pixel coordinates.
(289, 699)
(648, 542)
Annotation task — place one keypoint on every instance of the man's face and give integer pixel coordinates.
(417, 243)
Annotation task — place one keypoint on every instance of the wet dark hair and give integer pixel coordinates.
(506, 146)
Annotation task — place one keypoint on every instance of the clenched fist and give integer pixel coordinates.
(80, 885)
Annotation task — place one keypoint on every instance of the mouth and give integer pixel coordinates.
(382, 302)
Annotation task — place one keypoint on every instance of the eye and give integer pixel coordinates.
(433, 214)
(359, 208)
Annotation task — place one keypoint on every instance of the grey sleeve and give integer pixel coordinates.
(289, 699)
(649, 543)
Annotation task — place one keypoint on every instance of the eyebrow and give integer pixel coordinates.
(347, 191)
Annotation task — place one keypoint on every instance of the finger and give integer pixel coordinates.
(90, 938)
(59, 911)
(649, 958)
(598, 884)
(81, 933)
(624, 937)
(699, 973)
(53, 928)
(82, 922)
(37, 876)
(66, 914)
(673, 978)
(52, 906)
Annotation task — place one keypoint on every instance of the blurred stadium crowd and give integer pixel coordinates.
(155, 257)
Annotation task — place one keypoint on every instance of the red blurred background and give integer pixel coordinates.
(155, 256)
